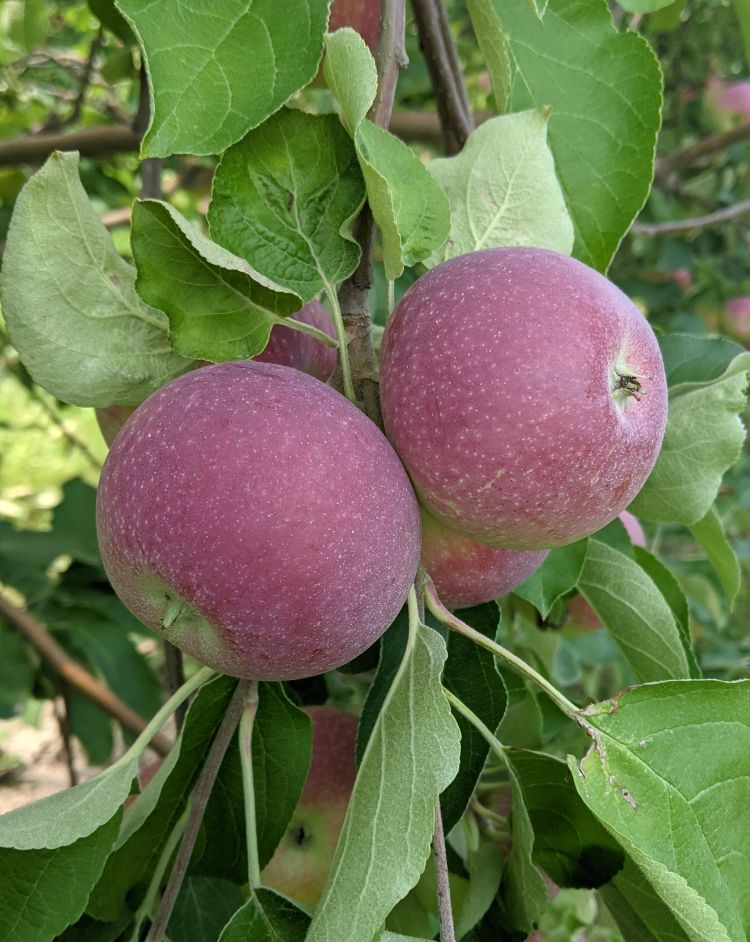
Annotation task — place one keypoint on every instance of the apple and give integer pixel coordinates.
(299, 867)
(258, 520)
(145, 774)
(361, 15)
(469, 573)
(286, 346)
(737, 317)
(727, 103)
(525, 394)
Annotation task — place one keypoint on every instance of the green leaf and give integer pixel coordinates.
(411, 757)
(74, 523)
(92, 727)
(89, 930)
(485, 867)
(675, 599)
(409, 207)
(557, 575)
(636, 613)
(149, 821)
(604, 88)
(640, 915)
(108, 15)
(29, 28)
(283, 198)
(203, 908)
(69, 300)
(267, 917)
(644, 6)
(16, 671)
(704, 437)
(218, 307)
(689, 359)
(570, 845)
(44, 891)
(669, 777)
(494, 48)
(471, 675)
(502, 189)
(709, 532)
(216, 73)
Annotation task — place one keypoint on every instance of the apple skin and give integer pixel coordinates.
(258, 521)
(727, 103)
(286, 346)
(502, 390)
(468, 573)
(299, 867)
(361, 15)
(737, 317)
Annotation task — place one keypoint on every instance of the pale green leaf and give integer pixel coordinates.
(704, 437)
(644, 6)
(557, 575)
(411, 756)
(283, 199)
(639, 913)
(709, 532)
(69, 300)
(669, 777)
(218, 307)
(409, 207)
(494, 49)
(44, 891)
(604, 88)
(217, 70)
(502, 189)
(637, 615)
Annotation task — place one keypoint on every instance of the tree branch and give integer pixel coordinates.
(442, 63)
(88, 69)
(74, 674)
(198, 801)
(696, 222)
(447, 930)
(688, 156)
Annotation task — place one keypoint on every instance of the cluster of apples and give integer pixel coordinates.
(263, 524)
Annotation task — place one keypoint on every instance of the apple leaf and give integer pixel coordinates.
(411, 757)
(689, 359)
(704, 438)
(639, 913)
(283, 198)
(216, 72)
(502, 189)
(267, 917)
(485, 868)
(669, 777)
(470, 674)
(149, 821)
(409, 207)
(204, 906)
(644, 6)
(69, 300)
(709, 532)
(494, 48)
(44, 891)
(637, 615)
(604, 89)
(570, 845)
(557, 575)
(218, 307)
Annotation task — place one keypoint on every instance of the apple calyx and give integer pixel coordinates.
(625, 385)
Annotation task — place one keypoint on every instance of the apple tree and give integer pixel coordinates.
(421, 456)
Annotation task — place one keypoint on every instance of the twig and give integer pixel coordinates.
(151, 166)
(248, 784)
(450, 93)
(174, 669)
(354, 293)
(85, 81)
(75, 675)
(447, 930)
(688, 156)
(62, 715)
(198, 801)
(696, 222)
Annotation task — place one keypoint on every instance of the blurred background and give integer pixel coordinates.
(71, 78)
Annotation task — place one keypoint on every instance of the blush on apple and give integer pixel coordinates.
(525, 394)
(361, 15)
(737, 318)
(258, 520)
(469, 573)
(300, 865)
(727, 103)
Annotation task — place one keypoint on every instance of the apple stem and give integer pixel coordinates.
(172, 612)
(198, 802)
(309, 329)
(447, 929)
(391, 296)
(248, 785)
(526, 670)
(338, 320)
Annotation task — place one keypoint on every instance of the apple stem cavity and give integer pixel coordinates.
(626, 385)
(248, 785)
(198, 802)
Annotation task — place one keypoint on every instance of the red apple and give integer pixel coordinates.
(737, 317)
(300, 866)
(362, 15)
(258, 521)
(727, 103)
(525, 394)
(286, 346)
(469, 573)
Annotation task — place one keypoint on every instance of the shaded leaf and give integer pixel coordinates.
(557, 575)
(267, 917)
(203, 908)
(709, 532)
